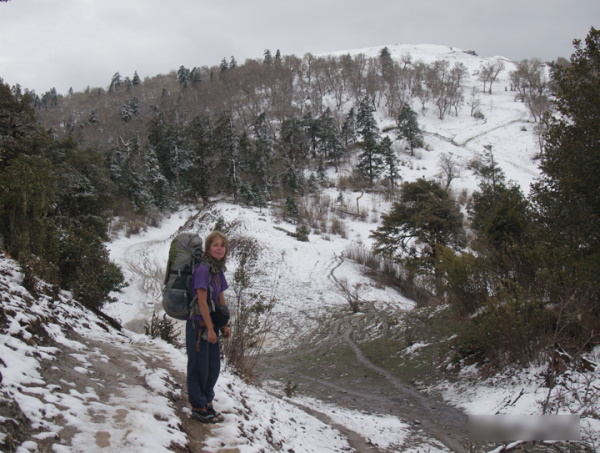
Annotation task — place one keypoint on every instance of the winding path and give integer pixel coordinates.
(385, 394)
(431, 422)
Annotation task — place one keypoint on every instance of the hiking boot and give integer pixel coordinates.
(203, 416)
(217, 416)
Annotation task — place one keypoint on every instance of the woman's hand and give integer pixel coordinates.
(212, 336)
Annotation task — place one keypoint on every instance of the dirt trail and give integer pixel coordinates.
(358, 383)
(383, 394)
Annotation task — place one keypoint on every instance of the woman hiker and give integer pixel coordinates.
(201, 333)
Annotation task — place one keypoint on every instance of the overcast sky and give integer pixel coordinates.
(80, 43)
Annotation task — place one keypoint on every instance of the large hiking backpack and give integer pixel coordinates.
(184, 255)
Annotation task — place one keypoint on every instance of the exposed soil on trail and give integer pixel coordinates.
(338, 371)
(335, 368)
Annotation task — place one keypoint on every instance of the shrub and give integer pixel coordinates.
(164, 328)
(302, 233)
(250, 310)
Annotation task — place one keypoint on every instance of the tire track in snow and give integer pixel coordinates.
(476, 136)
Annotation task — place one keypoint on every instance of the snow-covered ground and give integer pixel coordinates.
(139, 415)
(77, 400)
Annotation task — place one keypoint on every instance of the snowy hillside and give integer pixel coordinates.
(508, 126)
(71, 382)
(61, 385)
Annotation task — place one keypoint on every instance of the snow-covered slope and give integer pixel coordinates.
(508, 126)
(70, 382)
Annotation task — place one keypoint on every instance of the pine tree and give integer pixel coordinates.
(134, 182)
(268, 58)
(157, 182)
(291, 209)
(349, 129)
(500, 215)
(262, 155)
(136, 79)
(370, 161)
(313, 129)
(199, 176)
(408, 128)
(424, 220)
(329, 139)
(53, 200)
(225, 145)
(390, 162)
(26, 177)
(224, 66)
(115, 83)
(294, 142)
(567, 195)
(488, 169)
(183, 75)
(195, 76)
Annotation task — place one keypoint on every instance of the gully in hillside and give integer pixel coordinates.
(203, 330)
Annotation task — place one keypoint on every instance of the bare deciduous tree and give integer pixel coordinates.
(488, 73)
(450, 168)
(474, 102)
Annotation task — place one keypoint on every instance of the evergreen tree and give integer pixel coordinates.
(225, 145)
(424, 220)
(329, 139)
(390, 162)
(134, 183)
(408, 128)
(293, 145)
(370, 161)
(50, 98)
(183, 75)
(26, 178)
(195, 76)
(313, 129)
(224, 66)
(199, 176)
(130, 109)
(500, 215)
(268, 58)
(488, 169)
(244, 147)
(157, 182)
(262, 155)
(387, 64)
(567, 196)
(115, 83)
(291, 209)
(128, 84)
(294, 142)
(349, 129)
(54, 199)
(136, 79)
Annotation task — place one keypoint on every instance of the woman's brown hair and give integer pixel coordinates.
(212, 237)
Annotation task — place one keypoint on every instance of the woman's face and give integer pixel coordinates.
(217, 249)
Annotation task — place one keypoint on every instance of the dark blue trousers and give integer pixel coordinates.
(203, 367)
